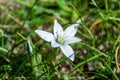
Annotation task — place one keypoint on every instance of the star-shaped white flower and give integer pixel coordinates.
(61, 38)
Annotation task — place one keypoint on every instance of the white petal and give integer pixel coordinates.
(54, 44)
(30, 47)
(70, 39)
(58, 30)
(45, 35)
(71, 30)
(68, 51)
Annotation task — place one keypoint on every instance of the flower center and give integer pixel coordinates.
(60, 40)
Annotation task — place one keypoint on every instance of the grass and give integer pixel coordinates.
(96, 56)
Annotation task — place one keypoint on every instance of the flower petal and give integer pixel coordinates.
(45, 35)
(70, 39)
(58, 30)
(54, 44)
(71, 30)
(30, 47)
(68, 51)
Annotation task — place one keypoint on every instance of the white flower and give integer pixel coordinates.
(61, 38)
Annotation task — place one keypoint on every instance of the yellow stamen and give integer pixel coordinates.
(61, 39)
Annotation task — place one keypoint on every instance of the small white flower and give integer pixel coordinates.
(61, 38)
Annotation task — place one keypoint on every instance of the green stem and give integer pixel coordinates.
(116, 78)
(98, 9)
(29, 13)
(93, 48)
(84, 25)
(106, 5)
(90, 59)
(3, 49)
